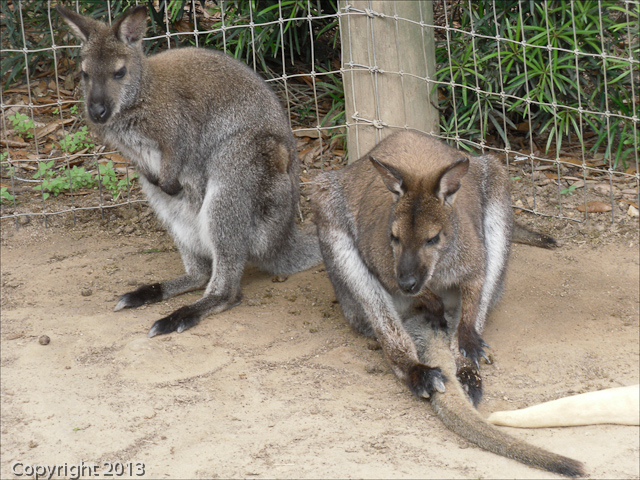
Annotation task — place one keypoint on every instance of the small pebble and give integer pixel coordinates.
(44, 340)
(86, 292)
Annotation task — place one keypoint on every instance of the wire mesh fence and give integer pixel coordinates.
(552, 87)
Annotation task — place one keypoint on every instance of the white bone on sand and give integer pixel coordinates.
(619, 406)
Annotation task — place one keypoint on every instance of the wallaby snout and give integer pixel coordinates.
(99, 110)
(409, 275)
(408, 284)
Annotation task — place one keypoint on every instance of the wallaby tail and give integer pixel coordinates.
(522, 234)
(457, 413)
(301, 251)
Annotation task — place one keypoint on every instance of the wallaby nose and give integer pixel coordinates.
(408, 283)
(99, 112)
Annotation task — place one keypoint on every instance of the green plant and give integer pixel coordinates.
(5, 196)
(264, 42)
(73, 142)
(50, 183)
(22, 124)
(109, 179)
(502, 83)
(568, 190)
(56, 181)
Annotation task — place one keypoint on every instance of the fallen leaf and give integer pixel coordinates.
(575, 161)
(13, 143)
(41, 133)
(116, 158)
(309, 133)
(552, 176)
(183, 25)
(595, 207)
(628, 202)
(69, 83)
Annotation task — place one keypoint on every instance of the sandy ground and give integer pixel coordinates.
(280, 386)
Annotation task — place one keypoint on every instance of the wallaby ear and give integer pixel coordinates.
(132, 25)
(81, 26)
(449, 182)
(390, 176)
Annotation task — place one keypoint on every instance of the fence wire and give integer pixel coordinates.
(517, 78)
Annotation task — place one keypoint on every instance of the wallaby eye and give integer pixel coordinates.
(433, 240)
(120, 73)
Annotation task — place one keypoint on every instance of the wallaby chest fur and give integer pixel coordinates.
(216, 157)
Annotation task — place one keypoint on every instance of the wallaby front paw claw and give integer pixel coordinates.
(471, 346)
(423, 380)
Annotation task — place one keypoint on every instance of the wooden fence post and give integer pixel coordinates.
(386, 62)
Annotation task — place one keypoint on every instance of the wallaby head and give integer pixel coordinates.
(111, 60)
(421, 221)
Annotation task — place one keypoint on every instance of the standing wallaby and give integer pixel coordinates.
(459, 416)
(444, 228)
(216, 157)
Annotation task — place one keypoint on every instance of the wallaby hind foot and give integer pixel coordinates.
(190, 315)
(140, 296)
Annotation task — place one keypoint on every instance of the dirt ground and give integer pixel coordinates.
(280, 386)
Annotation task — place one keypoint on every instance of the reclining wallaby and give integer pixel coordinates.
(455, 411)
(444, 228)
(216, 157)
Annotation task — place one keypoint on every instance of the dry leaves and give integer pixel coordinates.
(595, 207)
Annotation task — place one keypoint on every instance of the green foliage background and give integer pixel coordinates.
(564, 91)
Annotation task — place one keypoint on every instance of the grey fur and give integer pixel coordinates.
(450, 216)
(215, 153)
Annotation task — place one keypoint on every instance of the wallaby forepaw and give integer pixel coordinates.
(179, 321)
(424, 381)
(472, 346)
(470, 379)
(171, 188)
(140, 296)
